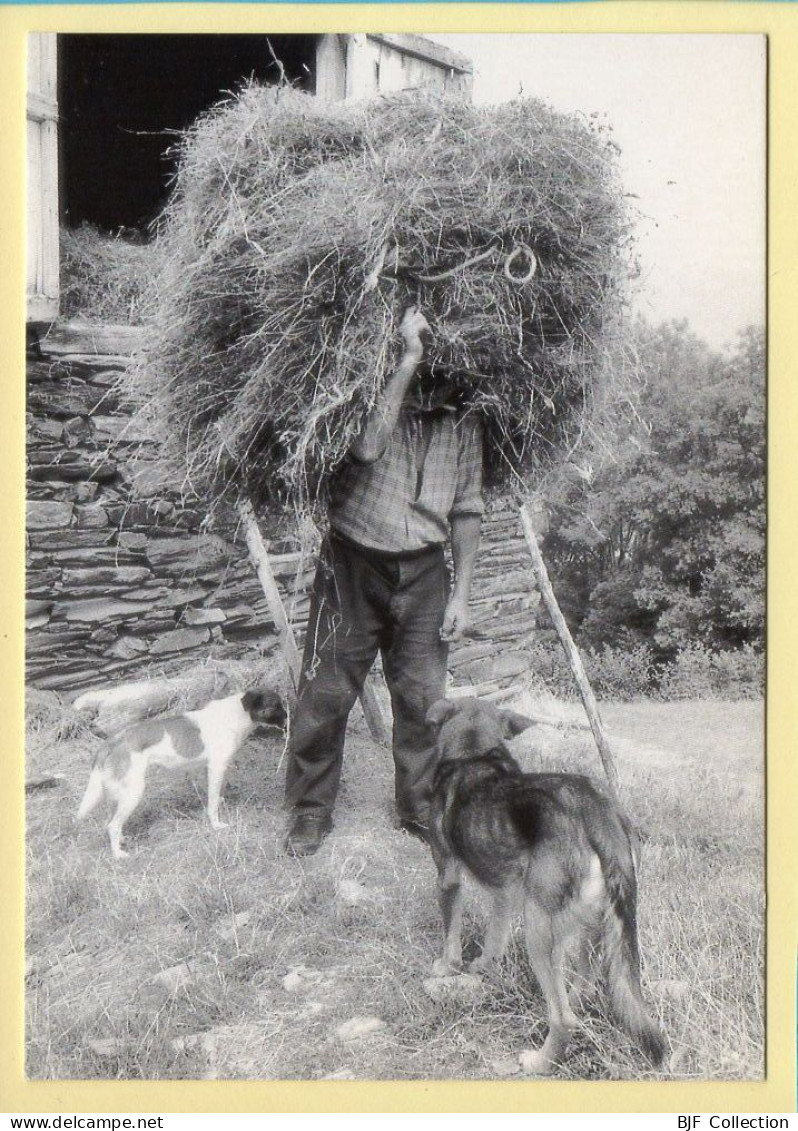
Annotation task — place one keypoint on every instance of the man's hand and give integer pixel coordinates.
(381, 421)
(455, 619)
(411, 327)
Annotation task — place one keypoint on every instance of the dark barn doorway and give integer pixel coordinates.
(123, 97)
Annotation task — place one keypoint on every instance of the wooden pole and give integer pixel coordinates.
(571, 651)
(260, 559)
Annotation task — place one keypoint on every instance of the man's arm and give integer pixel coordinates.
(465, 520)
(381, 421)
(465, 546)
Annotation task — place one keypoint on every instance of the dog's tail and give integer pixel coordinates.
(622, 961)
(93, 794)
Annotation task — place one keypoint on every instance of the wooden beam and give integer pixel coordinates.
(330, 67)
(571, 651)
(260, 560)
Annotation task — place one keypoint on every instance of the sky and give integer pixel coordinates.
(689, 113)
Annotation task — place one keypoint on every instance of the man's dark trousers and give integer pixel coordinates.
(364, 601)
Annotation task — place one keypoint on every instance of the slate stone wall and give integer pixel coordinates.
(121, 587)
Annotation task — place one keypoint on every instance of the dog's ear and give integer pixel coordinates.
(264, 706)
(252, 701)
(513, 723)
(439, 712)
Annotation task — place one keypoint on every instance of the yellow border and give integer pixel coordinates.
(778, 1092)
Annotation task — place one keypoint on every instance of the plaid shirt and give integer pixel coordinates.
(430, 471)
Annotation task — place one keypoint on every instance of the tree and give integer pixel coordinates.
(664, 542)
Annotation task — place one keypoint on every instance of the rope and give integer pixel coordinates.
(460, 267)
(520, 249)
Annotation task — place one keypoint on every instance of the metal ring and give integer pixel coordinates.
(520, 249)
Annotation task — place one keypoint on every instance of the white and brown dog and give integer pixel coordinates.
(211, 735)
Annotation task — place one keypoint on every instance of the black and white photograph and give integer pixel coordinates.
(395, 556)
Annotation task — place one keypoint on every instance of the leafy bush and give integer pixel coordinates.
(614, 673)
(658, 536)
(698, 672)
(633, 673)
(549, 669)
(617, 673)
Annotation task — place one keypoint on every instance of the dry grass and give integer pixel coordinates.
(208, 954)
(299, 231)
(104, 277)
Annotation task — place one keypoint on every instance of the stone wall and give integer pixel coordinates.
(120, 587)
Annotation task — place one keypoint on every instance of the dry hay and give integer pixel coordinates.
(298, 232)
(103, 278)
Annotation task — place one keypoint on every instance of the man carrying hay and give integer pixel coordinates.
(413, 476)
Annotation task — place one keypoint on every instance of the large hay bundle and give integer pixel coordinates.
(299, 231)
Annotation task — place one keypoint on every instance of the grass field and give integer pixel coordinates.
(208, 955)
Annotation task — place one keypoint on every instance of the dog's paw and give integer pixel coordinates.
(462, 988)
(217, 825)
(442, 968)
(535, 1062)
